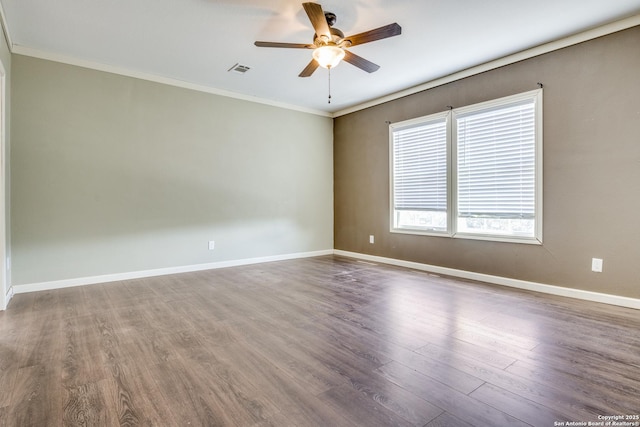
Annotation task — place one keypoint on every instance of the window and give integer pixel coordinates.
(472, 172)
(420, 174)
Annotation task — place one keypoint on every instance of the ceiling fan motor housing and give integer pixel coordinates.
(336, 37)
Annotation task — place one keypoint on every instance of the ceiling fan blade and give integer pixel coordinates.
(373, 35)
(360, 62)
(317, 18)
(287, 45)
(309, 69)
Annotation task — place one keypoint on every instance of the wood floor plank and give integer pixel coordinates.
(406, 337)
(40, 344)
(445, 373)
(491, 343)
(601, 375)
(9, 364)
(274, 388)
(204, 397)
(600, 357)
(36, 397)
(306, 415)
(447, 420)
(81, 359)
(153, 406)
(523, 409)
(574, 401)
(360, 409)
(600, 390)
(464, 407)
(456, 349)
(403, 403)
(86, 405)
(301, 368)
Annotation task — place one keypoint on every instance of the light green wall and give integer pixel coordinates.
(5, 58)
(113, 174)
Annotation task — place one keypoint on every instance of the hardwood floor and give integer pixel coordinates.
(325, 341)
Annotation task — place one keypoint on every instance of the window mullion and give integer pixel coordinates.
(452, 172)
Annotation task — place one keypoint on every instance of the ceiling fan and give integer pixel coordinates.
(330, 45)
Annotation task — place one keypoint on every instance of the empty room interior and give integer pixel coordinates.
(277, 213)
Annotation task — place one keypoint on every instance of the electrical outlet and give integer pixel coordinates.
(596, 265)
(212, 245)
(371, 239)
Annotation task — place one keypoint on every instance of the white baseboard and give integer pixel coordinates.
(92, 280)
(498, 280)
(7, 298)
(504, 281)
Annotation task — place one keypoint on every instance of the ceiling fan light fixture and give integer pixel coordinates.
(329, 43)
(328, 56)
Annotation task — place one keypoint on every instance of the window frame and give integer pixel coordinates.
(452, 169)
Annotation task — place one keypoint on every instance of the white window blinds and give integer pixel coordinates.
(496, 154)
(474, 172)
(420, 167)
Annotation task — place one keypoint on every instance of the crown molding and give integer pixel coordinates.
(5, 28)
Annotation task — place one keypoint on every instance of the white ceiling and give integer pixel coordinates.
(197, 41)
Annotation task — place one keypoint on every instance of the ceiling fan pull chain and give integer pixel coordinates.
(329, 101)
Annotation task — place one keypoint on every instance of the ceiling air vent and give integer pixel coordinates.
(239, 68)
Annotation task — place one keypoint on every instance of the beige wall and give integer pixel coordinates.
(112, 174)
(5, 234)
(591, 171)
